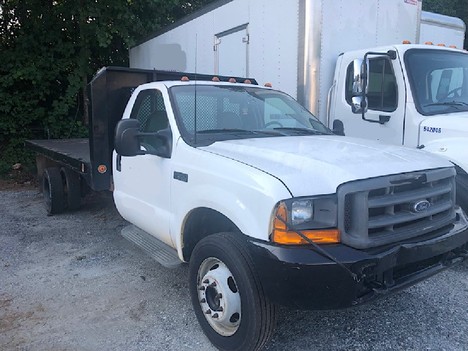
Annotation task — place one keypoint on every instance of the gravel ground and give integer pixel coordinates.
(71, 282)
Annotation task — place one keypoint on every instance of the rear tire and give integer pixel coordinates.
(72, 188)
(52, 186)
(227, 295)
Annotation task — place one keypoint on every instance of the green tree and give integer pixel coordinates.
(48, 51)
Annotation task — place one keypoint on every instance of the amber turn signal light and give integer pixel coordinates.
(282, 235)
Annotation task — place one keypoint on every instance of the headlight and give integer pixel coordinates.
(302, 211)
(315, 218)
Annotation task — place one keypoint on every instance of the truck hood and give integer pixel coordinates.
(319, 164)
(446, 136)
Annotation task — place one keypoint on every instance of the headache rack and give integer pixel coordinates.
(108, 93)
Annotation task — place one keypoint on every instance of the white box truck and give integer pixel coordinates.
(410, 94)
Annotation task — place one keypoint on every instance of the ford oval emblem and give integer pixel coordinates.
(421, 206)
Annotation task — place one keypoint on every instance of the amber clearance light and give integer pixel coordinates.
(281, 234)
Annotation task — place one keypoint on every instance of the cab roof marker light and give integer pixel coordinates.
(441, 44)
(429, 43)
(406, 42)
(453, 46)
(232, 80)
(215, 79)
(269, 85)
(247, 81)
(184, 79)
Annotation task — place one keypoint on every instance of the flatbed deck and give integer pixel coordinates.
(72, 152)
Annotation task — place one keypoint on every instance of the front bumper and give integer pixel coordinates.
(300, 277)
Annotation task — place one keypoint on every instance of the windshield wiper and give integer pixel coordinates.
(225, 130)
(448, 103)
(301, 131)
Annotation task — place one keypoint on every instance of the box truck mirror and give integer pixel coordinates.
(358, 84)
(338, 127)
(359, 104)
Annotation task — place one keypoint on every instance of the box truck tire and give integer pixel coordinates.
(52, 185)
(462, 191)
(227, 295)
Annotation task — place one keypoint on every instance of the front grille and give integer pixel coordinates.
(383, 210)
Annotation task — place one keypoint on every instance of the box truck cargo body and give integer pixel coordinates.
(414, 94)
(437, 28)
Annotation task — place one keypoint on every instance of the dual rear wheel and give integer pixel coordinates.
(61, 189)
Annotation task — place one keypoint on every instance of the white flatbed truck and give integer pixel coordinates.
(264, 214)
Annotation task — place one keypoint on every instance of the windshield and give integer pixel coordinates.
(209, 113)
(439, 80)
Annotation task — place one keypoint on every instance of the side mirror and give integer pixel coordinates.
(360, 83)
(359, 104)
(338, 127)
(126, 138)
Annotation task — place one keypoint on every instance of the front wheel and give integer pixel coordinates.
(227, 294)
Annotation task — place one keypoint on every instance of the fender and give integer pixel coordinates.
(243, 194)
(453, 149)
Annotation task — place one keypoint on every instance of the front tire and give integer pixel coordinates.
(462, 191)
(227, 295)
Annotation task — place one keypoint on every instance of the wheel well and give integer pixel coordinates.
(201, 223)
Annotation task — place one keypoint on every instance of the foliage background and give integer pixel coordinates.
(49, 50)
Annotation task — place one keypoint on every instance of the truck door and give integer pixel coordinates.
(231, 52)
(141, 187)
(386, 103)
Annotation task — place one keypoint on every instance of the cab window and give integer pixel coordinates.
(382, 92)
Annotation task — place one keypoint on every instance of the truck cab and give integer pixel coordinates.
(416, 96)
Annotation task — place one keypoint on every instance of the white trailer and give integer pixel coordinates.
(410, 94)
(437, 29)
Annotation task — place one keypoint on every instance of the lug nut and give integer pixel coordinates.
(208, 311)
(203, 300)
(213, 284)
(206, 281)
(202, 288)
(215, 315)
(219, 296)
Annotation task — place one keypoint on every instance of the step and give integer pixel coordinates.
(161, 252)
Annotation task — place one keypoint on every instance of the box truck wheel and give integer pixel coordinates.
(72, 188)
(227, 295)
(462, 191)
(52, 186)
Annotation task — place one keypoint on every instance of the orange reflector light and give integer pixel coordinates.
(429, 43)
(247, 81)
(102, 169)
(453, 46)
(268, 85)
(440, 44)
(184, 79)
(406, 42)
(232, 80)
(319, 236)
(281, 234)
(215, 79)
